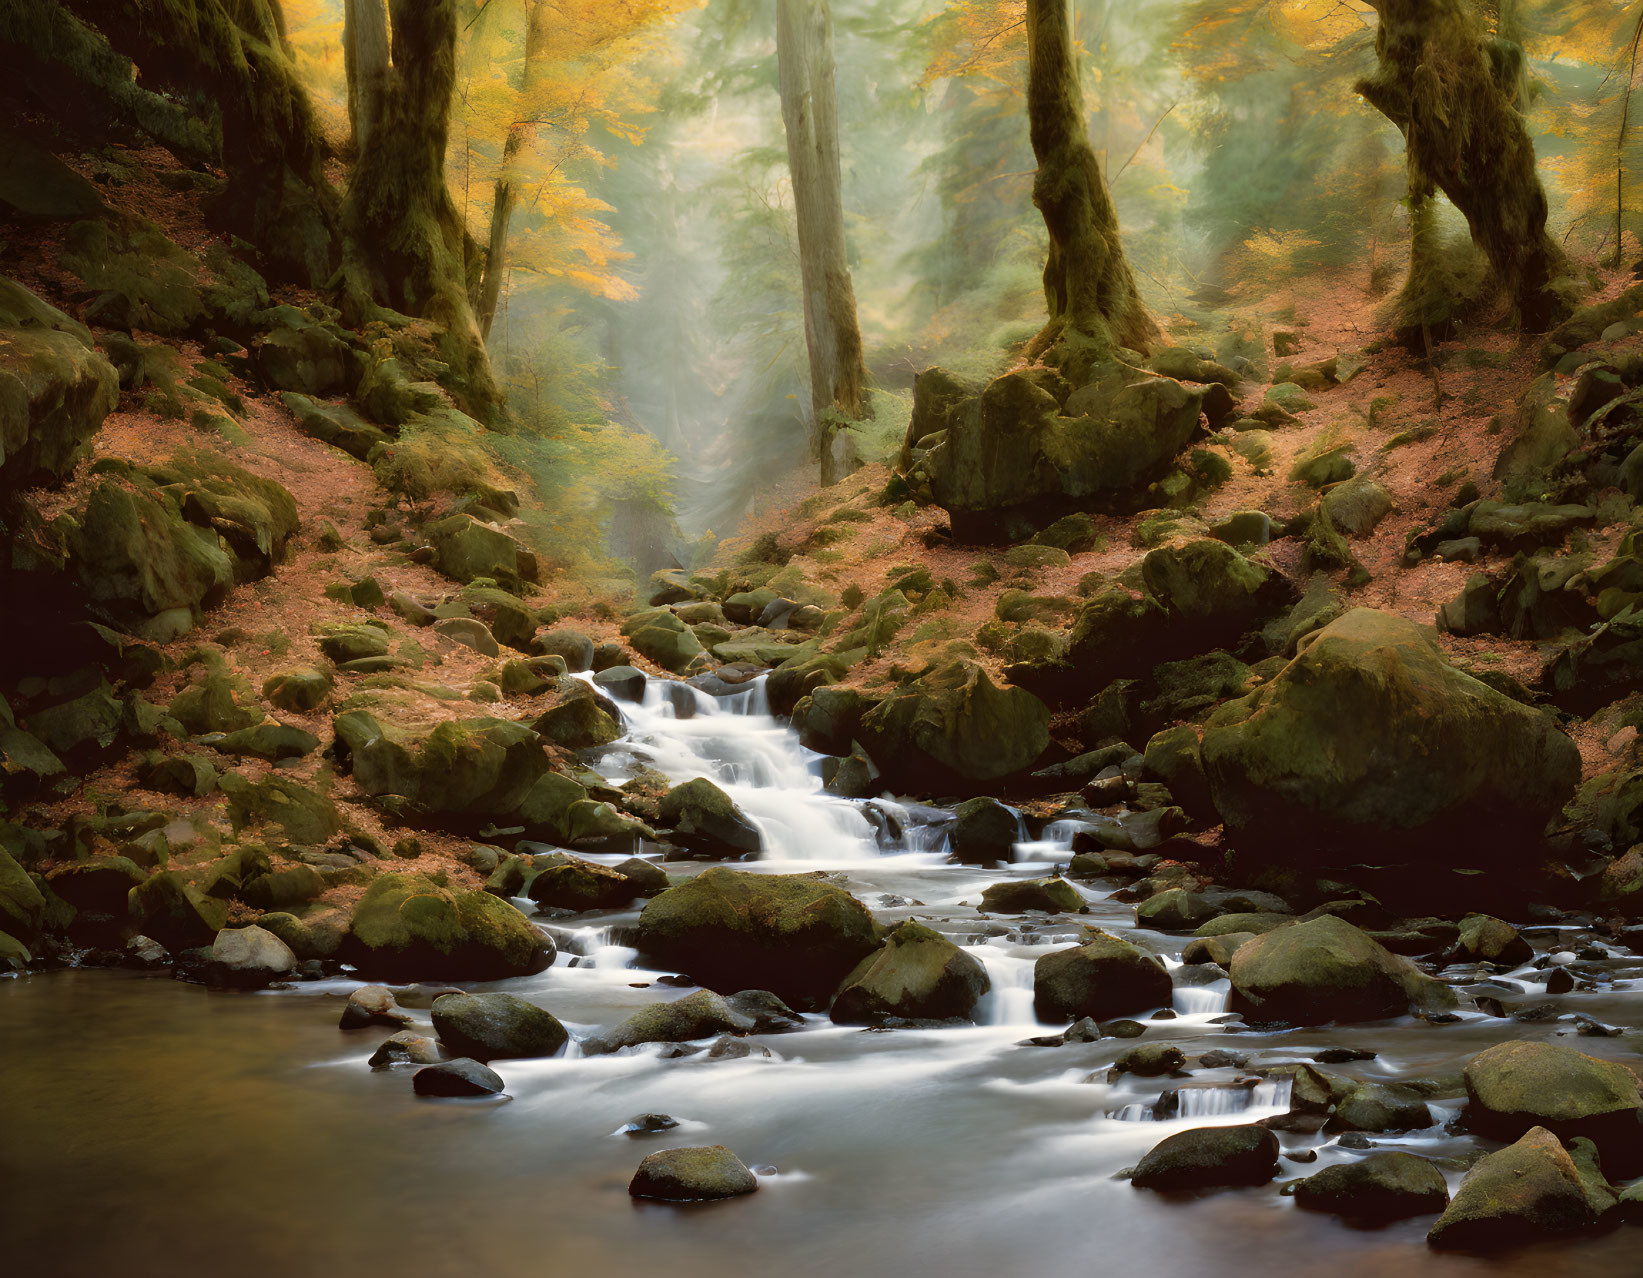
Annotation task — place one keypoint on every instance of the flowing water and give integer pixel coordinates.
(153, 1128)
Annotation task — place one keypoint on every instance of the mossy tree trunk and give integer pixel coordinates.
(232, 52)
(1456, 93)
(506, 196)
(403, 239)
(1091, 295)
(838, 378)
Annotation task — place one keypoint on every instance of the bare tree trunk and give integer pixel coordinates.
(405, 244)
(1091, 295)
(838, 394)
(507, 180)
(1456, 93)
(365, 58)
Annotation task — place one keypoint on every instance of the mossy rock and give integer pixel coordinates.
(55, 390)
(1513, 1087)
(581, 886)
(137, 277)
(698, 1174)
(22, 907)
(335, 424)
(300, 690)
(307, 817)
(407, 927)
(466, 550)
(174, 912)
(953, 729)
(1104, 978)
(269, 740)
(580, 720)
(919, 975)
(706, 820)
(728, 929)
(1209, 1158)
(1017, 896)
(349, 641)
(703, 1014)
(1384, 1186)
(489, 1027)
(1323, 970)
(97, 884)
(661, 637)
(1528, 1192)
(1370, 731)
(480, 768)
(217, 700)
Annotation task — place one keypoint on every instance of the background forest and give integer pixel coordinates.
(647, 320)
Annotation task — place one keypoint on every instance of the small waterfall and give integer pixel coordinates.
(1200, 1000)
(1010, 1001)
(1196, 1103)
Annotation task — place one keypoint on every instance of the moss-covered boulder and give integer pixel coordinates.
(1174, 910)
(98, 884)
(466, 549)
(1528, 1192)
(1369, 737)
(1485, 939)
(699, 1174)
(1015, 457)
(792, 934)
(307, 816)
(299, 690)
(1104, 978)
(408, 927)
(480, 768)
(489, 1027)
(1384, 1186)
(661, 637)
(1326, 970)
(1209, 1158)
(174, 912)
(55, 389)
(953, 729)
(708, 822)
(703, 1014)
(22, 907)
(132, 550)
(1512, 1087)
(582, 885)
(580, 719)
(919, 975)
(1017, 896)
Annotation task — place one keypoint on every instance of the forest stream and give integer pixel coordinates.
(254, 1127)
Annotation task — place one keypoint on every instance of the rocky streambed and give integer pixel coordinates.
(972, 1100)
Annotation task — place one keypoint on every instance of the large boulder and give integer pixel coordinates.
(1327, 970)
(489, 1027)
(1370, 738)
(55, 389)
(919, 975)
(1512, 1087)
(1102, 979)
(792, 934)
(1016, 457)
(954, 729)
(706, 820)
(1209, 1158)
(1388, 1185)
(466, 549)
(698, 1174)
(1530, 1191)
(407, 927)
(480, 768)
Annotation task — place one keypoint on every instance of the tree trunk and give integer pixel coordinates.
(838, 394)
(365, 58)
(277, 195)
(1093, 303)
(404, 243)
(1455, 94)
(507, 179)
